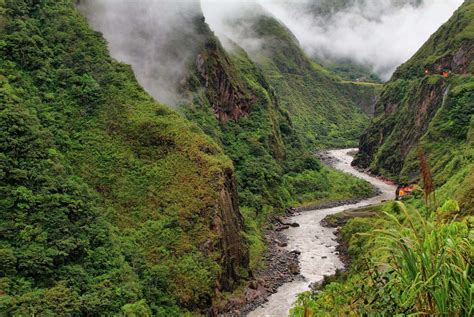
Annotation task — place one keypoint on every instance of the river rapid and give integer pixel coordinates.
(316, 243)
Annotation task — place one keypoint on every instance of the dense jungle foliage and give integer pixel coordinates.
(106, 196)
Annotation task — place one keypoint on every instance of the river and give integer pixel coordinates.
(316, 243)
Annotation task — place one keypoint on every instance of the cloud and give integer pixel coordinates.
(159, 37)
(156, 37)
(379, 34)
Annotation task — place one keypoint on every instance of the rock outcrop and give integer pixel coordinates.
(229, 225)
(229, 99)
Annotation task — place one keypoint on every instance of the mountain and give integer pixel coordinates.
(327, 8)
(111, 203)
(233, 100)
(326, 110)
(429, 104)
(144, 187)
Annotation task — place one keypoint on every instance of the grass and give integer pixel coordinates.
(431, 260)
(407, 260)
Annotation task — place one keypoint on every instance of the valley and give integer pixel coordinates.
(317, 244)
(196, 158)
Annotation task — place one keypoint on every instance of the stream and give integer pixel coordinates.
(316, 243)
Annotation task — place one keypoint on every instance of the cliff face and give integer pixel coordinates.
(229, 99)
(392, 139)
(232, 102)
(428, 102)
(229, 225)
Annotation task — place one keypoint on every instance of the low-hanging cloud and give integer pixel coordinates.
(159, 38)
(379, 34)
(156, 37)
(227, 19)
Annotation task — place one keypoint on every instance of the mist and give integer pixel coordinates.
(377, 34)
(156, 37)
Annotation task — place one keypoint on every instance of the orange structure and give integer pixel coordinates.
(403, 191)
(445, 74)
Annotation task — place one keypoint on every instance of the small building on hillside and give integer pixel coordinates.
(404, 191)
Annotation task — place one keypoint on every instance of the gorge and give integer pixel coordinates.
(316, 243)
(149, 150)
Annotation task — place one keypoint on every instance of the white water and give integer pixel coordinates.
(315, 242)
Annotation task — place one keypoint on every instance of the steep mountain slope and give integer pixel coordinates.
(224, 92)
(110, 202)
(429, 102)
(326, 110)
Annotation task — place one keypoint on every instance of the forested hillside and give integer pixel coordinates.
(110, 202)
(326, 110)
(114, 204)
(148, 160)
(232, 100)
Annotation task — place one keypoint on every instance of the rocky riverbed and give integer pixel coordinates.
(280, 266)
(317, 245)
(303, 247)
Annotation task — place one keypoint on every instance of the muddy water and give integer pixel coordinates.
(317, 243)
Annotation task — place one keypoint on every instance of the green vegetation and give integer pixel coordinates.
(108, 199)
(112, 204)
(418, 109)
(274, 168)
(326, 111)
(351, 72)
(407, 260)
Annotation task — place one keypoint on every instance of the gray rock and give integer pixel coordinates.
(294, 268)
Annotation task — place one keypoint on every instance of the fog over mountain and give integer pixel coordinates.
(158, 37)
(379, 34)
(154, 36)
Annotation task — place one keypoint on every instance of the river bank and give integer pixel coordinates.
(317, 245)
